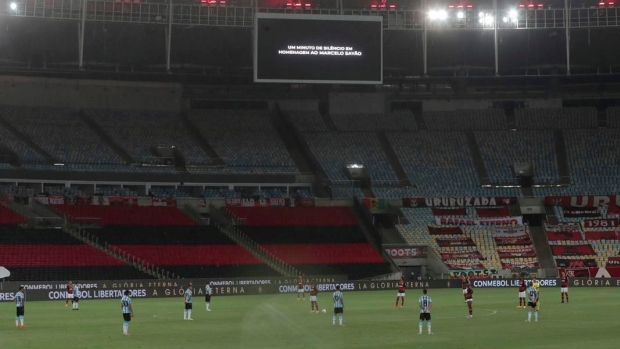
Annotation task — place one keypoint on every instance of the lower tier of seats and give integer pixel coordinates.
(55, 256)
(208, 255)
(362, 253)
(305, 234)
(76, 274)
(222, 271)
(353, 271)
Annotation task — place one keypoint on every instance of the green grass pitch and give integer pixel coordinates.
(280, 321)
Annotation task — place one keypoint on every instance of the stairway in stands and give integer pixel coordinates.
(477, 158)
(227, 226)
(562, 157)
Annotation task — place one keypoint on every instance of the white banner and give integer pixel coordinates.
(563, 226)
(508, 221)
(509, 232)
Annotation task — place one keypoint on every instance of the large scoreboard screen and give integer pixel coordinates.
(297, 48)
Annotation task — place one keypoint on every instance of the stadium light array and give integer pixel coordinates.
(438, 15)
(486, 19)
(298, 5)
(512, 17)
(213, 2)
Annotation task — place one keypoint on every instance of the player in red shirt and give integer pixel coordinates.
(564, 286)
(69, 293)
(300, 288)
(522, 299)
(401, 293)
(314, 291)
(469, 299)
(465, 284)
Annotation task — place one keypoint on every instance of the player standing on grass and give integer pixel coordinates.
(300, 288)
(536, 286)
(532, 300)
(314, 291)
(401, 293)
(564, 286)
(338, 306)
(127, 309)
(187, 299)
(69, 294)
(208, 293)
(20, 301)
(465, 284)
(469, 299)
(426, 303)
(76, 297)
(522, 288)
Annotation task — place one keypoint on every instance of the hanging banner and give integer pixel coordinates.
(473, 274)
(169, 202)
(600, 223)
(459, 202)
(439, 211)
(564, 235)
(493, 211)
(50, 200)
(374, 204)
(580, 212)
(509, 232)
(405, 251)
(482, 221)
(512, 240)
(270, 202)
(445, 231)
(464, 241)
(563, 226)
(582, 201)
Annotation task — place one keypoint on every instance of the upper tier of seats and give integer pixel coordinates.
(444, 157)
(401, 120)
(306, 120)
(465, 120)
(335, 151)
(294, 216)
(120, 215)
(139, 132)
(613, 117)
(245, 140)
(62, 134)
(501, 149)
(558, 118)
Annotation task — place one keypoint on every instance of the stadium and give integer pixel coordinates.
(241, 161)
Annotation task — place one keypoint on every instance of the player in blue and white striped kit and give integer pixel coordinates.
(338, 306)
(426, 303)
(76, 296)
(127, 309)
(532, 302)
(20, 301)
(187, 298)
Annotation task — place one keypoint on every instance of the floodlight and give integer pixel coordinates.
(13, 6)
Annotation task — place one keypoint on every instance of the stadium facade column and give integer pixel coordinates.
(567, 28)
(81, 35)
(169, 35)
(424, 38)
(495, 39)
